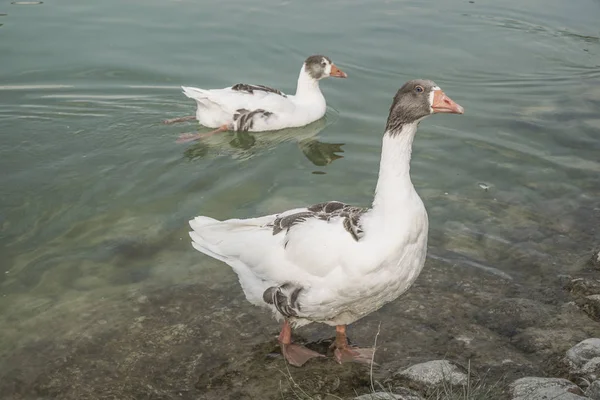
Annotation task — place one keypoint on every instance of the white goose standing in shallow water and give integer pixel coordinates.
(331, 262)
(257, 108)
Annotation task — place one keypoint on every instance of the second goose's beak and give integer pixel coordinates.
(336, 72)
(444, 104)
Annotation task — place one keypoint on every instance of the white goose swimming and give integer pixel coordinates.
(331, 262)
(257, 108)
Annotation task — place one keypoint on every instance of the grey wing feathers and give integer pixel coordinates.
(244, 87)
(325, 212)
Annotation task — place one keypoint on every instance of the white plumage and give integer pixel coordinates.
(255, 108)
(333, 263)
(342, 279)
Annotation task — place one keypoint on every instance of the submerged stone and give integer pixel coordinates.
(510, 315)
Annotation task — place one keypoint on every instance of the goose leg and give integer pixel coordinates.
(190, 137)
(346, 353)
(181, 119)
(295, 354)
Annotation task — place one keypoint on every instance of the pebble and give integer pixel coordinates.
(593, 391)
(533, 388)
(584, 358)
(434, 373)
(407, 395)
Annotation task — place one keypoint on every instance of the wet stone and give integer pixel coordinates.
(583, 287)
(591, 306)
(433, 373)
(398, 394)
(593, 391)
(584, 358)
(532, 388)
(595, 260)
(586, 294)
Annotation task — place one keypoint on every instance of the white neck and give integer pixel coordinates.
(394, 186)
(308, 87)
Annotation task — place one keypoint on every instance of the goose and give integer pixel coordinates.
(257, 108)
(331, 262)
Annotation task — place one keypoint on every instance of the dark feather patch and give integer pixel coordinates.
(284, 298)
(288, 221)
(243, 119)
(244, 87)
(325, 212)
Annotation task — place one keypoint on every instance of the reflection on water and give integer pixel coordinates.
(320, 153)
(241, 145)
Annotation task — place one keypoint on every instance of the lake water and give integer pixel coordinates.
(96, 194)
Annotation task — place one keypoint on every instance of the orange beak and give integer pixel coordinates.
(444, 104)
(336, 72)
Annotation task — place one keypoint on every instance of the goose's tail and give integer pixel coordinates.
(230, 239)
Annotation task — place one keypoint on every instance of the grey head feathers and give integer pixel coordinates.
(411, 103)
(316, 66)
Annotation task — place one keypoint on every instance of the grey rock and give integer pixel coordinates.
(595, 260)
(593, 391)
(591, 305)
(434, 373)
(579, 287)
(406, 395)
(594, 297)
(532, 388)
(584, 358)
(586, 293)
(378, 396)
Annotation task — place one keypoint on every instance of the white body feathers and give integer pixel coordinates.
(342, 277)
(270, 108)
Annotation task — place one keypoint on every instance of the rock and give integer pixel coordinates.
(579, 287)
(547, 341)
(433, 373)
(566, 326)
(595, 260)
(591, 306)
(378, 396)
(508, 316)
(532, 388)
(593, 391)
(591, 369)
(584, 351)
(584, 358)
(586, 293)
(400, 394)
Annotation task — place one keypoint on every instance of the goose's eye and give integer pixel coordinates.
(419, 89)
(323, 65)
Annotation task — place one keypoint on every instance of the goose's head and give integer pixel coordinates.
(319, 67)
(417, 99)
